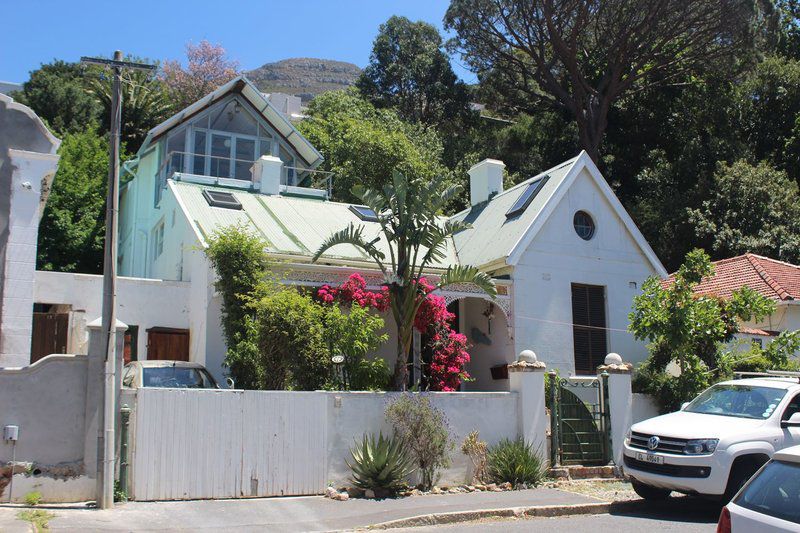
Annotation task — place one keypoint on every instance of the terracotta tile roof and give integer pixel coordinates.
(757, 331)
(774, 279)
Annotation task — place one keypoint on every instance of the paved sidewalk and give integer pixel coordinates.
(311, 513)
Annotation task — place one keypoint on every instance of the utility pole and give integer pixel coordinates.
(105, 439)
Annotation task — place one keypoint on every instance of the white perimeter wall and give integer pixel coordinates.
(230, 444)
(556, 258)
(140, 302)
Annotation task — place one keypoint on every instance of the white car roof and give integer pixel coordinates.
(789, 455)
(776, 382)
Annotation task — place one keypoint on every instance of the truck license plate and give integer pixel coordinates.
(650, 458)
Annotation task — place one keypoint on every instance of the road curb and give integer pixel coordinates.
(543, 511)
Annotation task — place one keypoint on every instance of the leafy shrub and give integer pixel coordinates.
(33, 498)
(355, 334)
(423, 430)
(380, 465)
(291, 342)
(515, 462)
(476, 450)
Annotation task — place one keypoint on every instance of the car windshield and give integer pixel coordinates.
(775, 491)
(744, 401)
(177, 377)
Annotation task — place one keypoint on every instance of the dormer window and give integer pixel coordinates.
(222, 142)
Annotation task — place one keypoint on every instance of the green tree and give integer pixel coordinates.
(72, 229)
(357, 334)
(766, 111)
(751, 209)
(688, 330)
(583, 57)
(409, 71)
(360, 142)
(57, 93)
(145, 102)
(408, 214)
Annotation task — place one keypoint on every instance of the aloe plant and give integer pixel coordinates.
(381, 464)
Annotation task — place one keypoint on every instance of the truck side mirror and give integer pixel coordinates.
(793, 422)
(683, 405)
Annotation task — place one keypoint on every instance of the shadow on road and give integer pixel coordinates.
(675, 509)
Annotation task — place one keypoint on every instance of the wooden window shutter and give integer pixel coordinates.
(588, 330)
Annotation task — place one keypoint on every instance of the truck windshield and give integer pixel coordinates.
(775, 491)
(177, 377)
(744, 401)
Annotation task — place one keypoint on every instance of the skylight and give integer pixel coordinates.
(527, 197)
(222, 199)
(364, 213)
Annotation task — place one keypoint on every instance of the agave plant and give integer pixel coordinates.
(380, 465)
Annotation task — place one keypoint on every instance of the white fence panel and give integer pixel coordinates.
(196, 444)
(284, 443)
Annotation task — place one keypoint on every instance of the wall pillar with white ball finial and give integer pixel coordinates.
(526, 378)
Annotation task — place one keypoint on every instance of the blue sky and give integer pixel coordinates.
(253, 32)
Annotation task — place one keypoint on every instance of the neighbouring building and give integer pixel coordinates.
(28, 162)
(566, 257)
(777, 280)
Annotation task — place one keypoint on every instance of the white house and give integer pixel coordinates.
(566, 257)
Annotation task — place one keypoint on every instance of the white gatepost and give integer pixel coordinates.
(620, 401)
(526, 377)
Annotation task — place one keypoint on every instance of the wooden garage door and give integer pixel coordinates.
(168, 344)
(49, 334)
(589, 327)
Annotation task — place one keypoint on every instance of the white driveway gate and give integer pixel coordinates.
(194, 444)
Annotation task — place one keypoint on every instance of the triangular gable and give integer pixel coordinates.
(585, 162)
(262, 105)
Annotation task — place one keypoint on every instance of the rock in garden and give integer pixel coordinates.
(369, 493)
(330, 492)
(342, 496)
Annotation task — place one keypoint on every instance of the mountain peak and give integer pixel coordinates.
(305, 77)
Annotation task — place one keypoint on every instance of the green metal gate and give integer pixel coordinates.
(579, 429)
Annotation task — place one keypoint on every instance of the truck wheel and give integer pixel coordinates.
(648, 492)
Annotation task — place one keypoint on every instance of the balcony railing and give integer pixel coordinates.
(229, 171)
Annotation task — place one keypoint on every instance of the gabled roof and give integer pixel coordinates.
(262, 105)
(293, 227)
(774, 279)
(494, 237)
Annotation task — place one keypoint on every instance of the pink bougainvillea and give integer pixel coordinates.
(354, 291)
(447, 368)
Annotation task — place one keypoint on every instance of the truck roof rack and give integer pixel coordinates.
(768, 374)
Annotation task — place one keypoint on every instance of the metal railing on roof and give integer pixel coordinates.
(228, 170)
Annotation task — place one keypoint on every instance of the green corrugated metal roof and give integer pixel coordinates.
(289, 225)
(297, 226)
(493, 236)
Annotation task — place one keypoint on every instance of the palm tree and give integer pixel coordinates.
(417, 238)
(145, 103)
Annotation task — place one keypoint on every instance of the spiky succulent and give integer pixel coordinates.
(381, 463)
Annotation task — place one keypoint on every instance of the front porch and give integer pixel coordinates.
(484, 320)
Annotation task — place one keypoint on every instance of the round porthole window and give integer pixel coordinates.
(584, 225)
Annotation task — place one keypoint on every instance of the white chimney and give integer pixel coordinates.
(485, 180)
(267, 174)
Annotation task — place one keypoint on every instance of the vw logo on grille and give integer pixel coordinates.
(652, 443)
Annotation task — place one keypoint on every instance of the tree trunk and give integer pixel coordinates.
(405, 334)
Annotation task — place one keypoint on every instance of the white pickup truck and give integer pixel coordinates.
(715, 443)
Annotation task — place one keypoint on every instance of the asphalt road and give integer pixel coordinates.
(677, 514)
